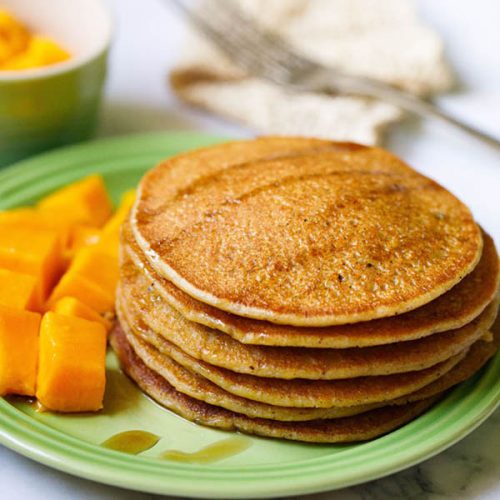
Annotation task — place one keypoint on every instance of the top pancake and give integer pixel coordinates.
(303, 232)
(452, 310)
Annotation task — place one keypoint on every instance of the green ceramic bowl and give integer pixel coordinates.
(42, 108)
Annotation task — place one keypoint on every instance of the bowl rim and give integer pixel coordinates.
(72, 63)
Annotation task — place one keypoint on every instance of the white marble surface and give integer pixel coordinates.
(148, 35)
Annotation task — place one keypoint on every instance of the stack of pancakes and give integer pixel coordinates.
(301, 289)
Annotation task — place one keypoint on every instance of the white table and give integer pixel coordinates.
(138, 100)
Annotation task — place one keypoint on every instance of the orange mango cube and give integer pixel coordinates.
(86, 291)
(110, 237)
(109, 245)
(29, 218)
(81, 236)
(71, 366)
(69, 306)
(14, 37)
(18, 290)
(17, 215)
(18, 351)
(34, 252)
(84, 202)
(41, 51)
(97, 267)
(113, 225)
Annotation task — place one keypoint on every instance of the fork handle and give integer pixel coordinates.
(371, 88)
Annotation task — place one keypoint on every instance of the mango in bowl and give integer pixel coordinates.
(51, 86)
(22, 49)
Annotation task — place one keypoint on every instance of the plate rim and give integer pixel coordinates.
(38, 441)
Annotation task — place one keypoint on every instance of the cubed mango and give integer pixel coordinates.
(83, 236)
(97, 267)
(113, 225)
(18, 291)
(40, 51)
(83, 202)
(71, 367)
(29, 218)
(14, 37)
(36, 252)
(18, 351)
(109, 245)
(69, 306)
(88, 292)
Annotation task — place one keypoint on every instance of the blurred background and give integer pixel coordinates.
(149, 42)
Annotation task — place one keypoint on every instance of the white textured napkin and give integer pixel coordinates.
(383, 39)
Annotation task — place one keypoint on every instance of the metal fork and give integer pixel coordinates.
(266, 55)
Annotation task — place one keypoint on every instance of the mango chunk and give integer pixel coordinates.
(15, 215)
(18, 351)
(83, 202)
(71, 366)
(86, 291)
(41, 51)
(113, 225)
(81, 236)
(29, 218)
(128, 199)
(34, 252)
(109, 244)
(18, 291)
(14, 37)
(97, 267)
(91, 278)
(69, 306)
(110, 236)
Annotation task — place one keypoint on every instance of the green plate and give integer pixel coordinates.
(268, 467)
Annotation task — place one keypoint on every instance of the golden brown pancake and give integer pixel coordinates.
(452, 310)
(198, 387)
(298, 393)
(474, 360)
(141, 303)
(357, 428)
(314, 238)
